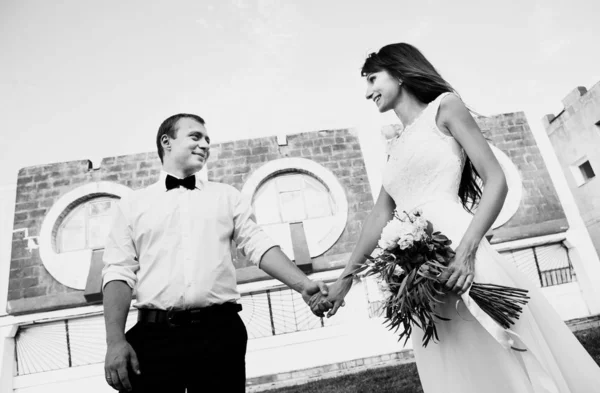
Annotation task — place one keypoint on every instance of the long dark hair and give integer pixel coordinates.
(419, 77)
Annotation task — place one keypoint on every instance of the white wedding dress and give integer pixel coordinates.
(474, 354)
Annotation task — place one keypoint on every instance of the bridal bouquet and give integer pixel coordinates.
(409, 260)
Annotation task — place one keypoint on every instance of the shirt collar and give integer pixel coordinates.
(200, 183)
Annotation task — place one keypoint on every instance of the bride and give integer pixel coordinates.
(434, 164)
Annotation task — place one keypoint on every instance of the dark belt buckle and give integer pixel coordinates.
(177, 318)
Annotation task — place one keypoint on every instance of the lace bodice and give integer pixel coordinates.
(424, 164)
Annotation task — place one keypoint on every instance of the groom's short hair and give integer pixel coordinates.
(169, 127)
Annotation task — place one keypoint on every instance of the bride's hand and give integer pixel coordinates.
(459, 275)
(337, 293)
(319, 304)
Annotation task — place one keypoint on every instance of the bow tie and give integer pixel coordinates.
(173, 182)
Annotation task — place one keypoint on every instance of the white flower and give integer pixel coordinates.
(392, 233)
(421, 223)
(398, 271)
(377, 252)
(387, 244)
(419, 235)
(419, 232)
(406, 241)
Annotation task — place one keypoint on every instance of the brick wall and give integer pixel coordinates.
(32, 288)
(337, 150)
(38, 189)
(540, 212)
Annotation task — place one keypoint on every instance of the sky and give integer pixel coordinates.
(91, 79)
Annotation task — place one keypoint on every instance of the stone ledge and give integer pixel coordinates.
(584, 323)
(299, 377)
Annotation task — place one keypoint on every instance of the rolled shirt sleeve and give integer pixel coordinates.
(248, 235)
(120, 256)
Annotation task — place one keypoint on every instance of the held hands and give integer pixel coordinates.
(312, 289)
(459, 275)
(319, 304)
(120, 358)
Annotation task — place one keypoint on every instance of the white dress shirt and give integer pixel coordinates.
(174, 247)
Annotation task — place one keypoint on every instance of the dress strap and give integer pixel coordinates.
(434, 107)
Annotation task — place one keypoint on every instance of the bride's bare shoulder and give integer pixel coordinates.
(452, 104)
(450, 108)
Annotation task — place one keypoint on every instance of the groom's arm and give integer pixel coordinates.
(277, 265)
(266, 254)
(118, 279)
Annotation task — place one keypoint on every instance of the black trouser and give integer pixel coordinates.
(203, 356)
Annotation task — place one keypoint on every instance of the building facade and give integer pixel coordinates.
(311, 192)
(575, 137)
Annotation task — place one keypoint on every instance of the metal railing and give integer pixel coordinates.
(546, 265)
(558, 276)
(82, 341)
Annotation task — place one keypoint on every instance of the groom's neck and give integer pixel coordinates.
(177, 170)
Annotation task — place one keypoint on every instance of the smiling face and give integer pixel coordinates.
(190, 148)
(383, 89)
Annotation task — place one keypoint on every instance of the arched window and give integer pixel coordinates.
(290, 191)
(292, 197)
(75, 228)
(86, 226)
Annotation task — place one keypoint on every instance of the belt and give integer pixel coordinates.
(186, 317)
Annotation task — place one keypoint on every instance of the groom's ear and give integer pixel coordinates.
(165, 142)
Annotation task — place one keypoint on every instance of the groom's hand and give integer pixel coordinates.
(120, 358)
(315, 289)
(320, 304)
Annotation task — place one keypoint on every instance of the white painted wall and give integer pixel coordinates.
(584, 257)
(354, 336)
(567, 300)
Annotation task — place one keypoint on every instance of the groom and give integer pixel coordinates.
(171, 243)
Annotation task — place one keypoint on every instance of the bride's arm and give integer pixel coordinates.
(455, 118)
(370, 234)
